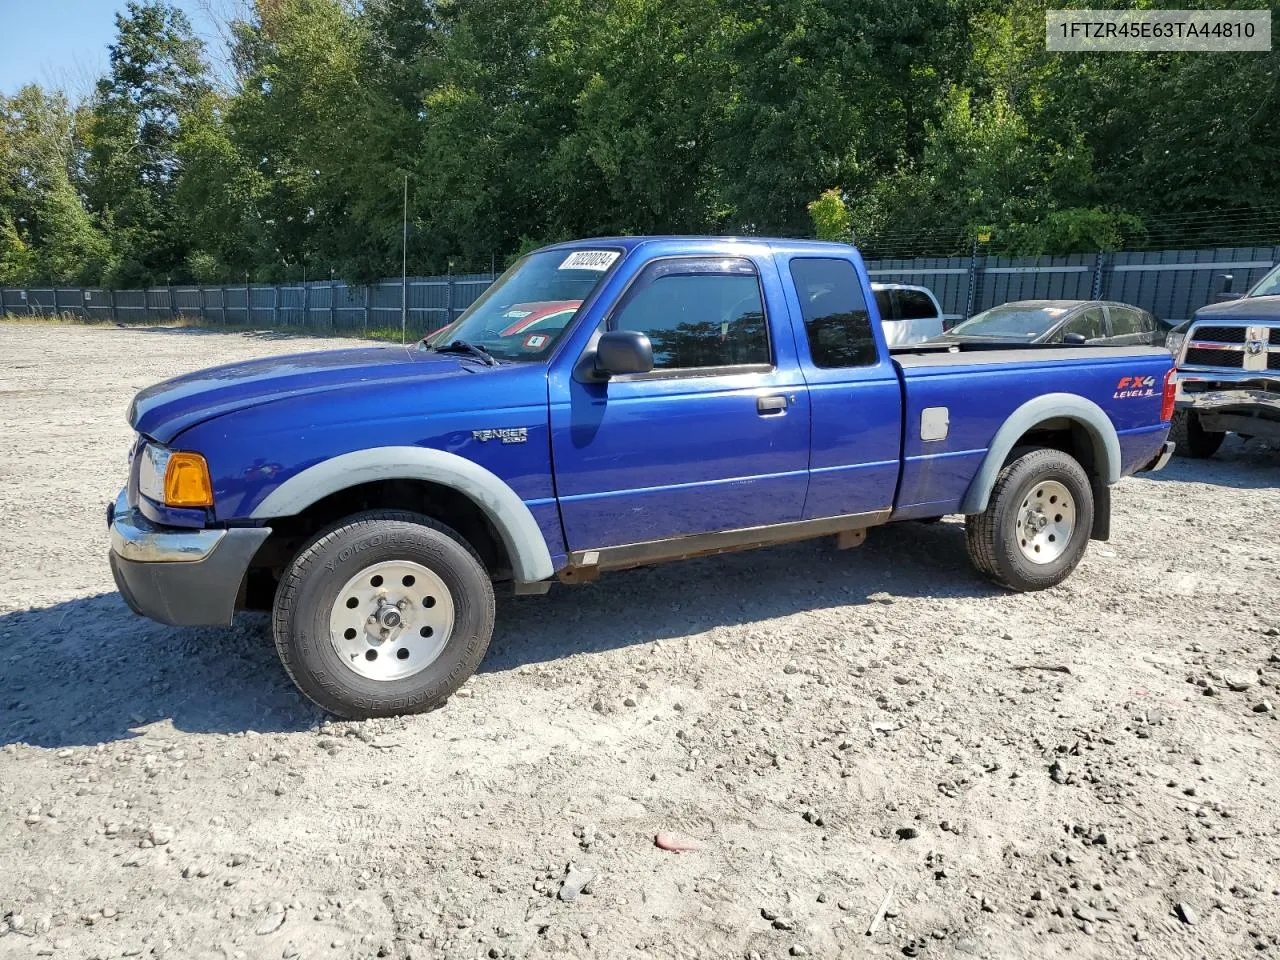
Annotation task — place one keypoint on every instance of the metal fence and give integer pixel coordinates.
(322, 307)
(1172, 284)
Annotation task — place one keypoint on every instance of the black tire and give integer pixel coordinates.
(1192, 440)
(992, 536)
(310, 587)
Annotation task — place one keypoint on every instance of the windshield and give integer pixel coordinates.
(1268, 286)
(527, 309)
(1009, 322)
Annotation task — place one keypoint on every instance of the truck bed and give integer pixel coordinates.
(995, 382)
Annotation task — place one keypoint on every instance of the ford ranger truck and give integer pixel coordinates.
(704, 395)
(1228, 378)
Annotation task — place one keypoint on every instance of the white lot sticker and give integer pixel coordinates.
(589, 260)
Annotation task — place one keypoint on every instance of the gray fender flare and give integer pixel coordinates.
(1051, 406)
(527, 548)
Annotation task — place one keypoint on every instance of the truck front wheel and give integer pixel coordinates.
(384, 613)
(1191, 439)
(1037, 522)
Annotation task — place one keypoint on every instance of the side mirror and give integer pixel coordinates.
(1075, 339)
(623, 351)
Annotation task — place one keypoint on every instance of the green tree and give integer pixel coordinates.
(831, 217)
(303, 116)
(46, 234)
(218, 197)
(157, 75)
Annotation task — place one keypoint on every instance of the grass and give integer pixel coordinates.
(52, 319)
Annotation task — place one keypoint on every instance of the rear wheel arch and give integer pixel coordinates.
(1062, 421)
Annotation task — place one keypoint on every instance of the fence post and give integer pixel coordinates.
(971, 298)
(56, 310)
(204, 317)
(111, 305)
(366, 309)
(333, 306)
(449, 301)
(173, 307)
(275, 306)
(306, 306)
(1097, 276)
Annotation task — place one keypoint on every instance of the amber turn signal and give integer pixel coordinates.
(186, 481)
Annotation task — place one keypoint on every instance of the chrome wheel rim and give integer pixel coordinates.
(391, 620)
(1046, 521)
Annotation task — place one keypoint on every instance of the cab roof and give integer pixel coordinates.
(697, 242)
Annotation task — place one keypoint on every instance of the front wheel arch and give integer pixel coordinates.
(522, 539)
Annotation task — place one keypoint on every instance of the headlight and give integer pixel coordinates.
(155, 460)
(1174, 342)
(174, 478)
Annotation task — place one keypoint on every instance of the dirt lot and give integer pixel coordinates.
(827, 726)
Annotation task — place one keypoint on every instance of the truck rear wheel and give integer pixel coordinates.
(1037, 522)
(1192, 440)
(385, 613)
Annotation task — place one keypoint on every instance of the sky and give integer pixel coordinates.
(63, 43)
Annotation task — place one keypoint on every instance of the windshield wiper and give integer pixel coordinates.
(470, 349)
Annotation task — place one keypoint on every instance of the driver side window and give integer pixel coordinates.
(698, 313)
(1089, 324)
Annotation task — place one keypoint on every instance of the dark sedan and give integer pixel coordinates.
(1060, 321)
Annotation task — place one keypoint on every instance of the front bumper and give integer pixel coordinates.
(180, 577)
(1192, 384)
(1242, 404)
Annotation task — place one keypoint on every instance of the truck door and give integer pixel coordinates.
(715, 438)
(854, 389)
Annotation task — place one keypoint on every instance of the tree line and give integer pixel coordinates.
(519, 123)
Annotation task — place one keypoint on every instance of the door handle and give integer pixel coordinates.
(771, 406)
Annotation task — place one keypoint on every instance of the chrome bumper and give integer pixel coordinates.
(1224, 381)
(1216, 401)
(134, 537)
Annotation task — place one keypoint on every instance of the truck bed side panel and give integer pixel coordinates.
(981, 389)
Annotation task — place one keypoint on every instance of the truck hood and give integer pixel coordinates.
(166, 409)
(1248, 308)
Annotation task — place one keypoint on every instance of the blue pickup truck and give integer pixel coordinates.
(605, 404)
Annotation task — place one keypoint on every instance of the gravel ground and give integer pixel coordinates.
(826, 727)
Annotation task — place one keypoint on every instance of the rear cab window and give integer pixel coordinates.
(834, 311)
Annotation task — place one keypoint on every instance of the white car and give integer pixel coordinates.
(909, 314)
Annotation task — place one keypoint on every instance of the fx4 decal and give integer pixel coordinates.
(1129, 387)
